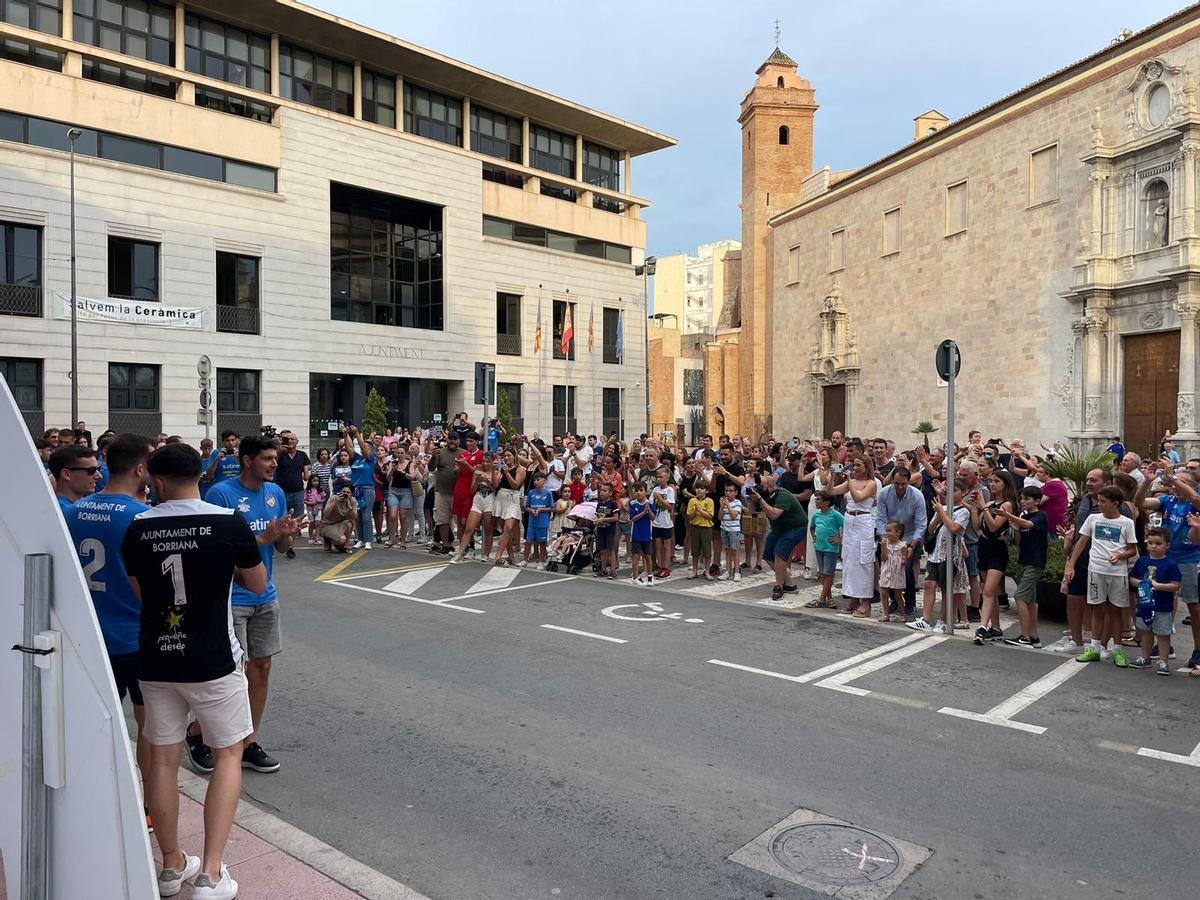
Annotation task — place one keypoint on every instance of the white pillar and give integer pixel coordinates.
(274, 65)
(627, 185)
(357, 89)
(68, 20)
(1091, 326)
(579, 157)
(1097, 179)
(525, 141)
(466, 123)
(1188, 154)
(1188, 308)
(180, 37)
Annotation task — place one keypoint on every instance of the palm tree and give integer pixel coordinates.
(925, 429)
(1072, 469)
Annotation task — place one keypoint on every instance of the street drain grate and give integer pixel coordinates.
(831, 856)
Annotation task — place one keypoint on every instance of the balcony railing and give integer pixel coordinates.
(508, 344)
(20, 299)
(237, 319)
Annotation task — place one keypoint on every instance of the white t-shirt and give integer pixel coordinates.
(554, 477)
(941, 546)
(663, 517)
(731, 516)
(1108, 536)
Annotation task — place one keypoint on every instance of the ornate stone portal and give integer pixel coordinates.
(834, 358)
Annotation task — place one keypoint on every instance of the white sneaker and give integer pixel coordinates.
(1066, 645)
(737, 576)
(920, 624)
(367, 545)
(940, 627)
(523, 563)
(170, 881)
(650, 581)
(357, 545)
(225, 889)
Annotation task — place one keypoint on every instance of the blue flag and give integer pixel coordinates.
(620, 336)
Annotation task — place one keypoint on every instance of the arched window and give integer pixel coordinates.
(783, 134)
(779, 81)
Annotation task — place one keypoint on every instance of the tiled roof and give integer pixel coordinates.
(779, 58)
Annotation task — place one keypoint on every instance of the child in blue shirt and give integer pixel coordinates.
(538, 503)
(641, 514)
(1155, 578)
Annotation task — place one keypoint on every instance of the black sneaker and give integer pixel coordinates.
(744, 566)
(981, 635)
(777, 593)
(199, 753)
(789, 588)
(1154, 652)
(1020, 641)
(256, 758)
(994, 634)
(972, 614)
(435, 548)
(291, 554)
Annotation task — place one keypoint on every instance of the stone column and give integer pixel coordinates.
(579, 157)
(525, 141)
(1091, 326)
(852, 404)
(68, 20)
(466, 123)
(1188, 308)
(628, 185)
(357, 109)
(274, 65)
(180, 37)
(1097, 179)
(1187, 156)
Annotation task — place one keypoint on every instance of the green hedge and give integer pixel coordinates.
(1055, 561)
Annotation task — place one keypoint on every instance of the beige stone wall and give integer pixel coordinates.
(994, 288)
(669, 285)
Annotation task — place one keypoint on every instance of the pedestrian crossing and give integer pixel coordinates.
(441, 581)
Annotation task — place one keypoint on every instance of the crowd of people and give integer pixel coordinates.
(177, 546)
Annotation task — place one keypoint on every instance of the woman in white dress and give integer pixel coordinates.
(820, 477)
(858, 535)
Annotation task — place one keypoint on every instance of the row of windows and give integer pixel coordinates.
(1043, 188)
(214, 49)
(508, 328)
(555, 240)
(105, 145)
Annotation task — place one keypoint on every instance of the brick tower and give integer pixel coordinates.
(777, 155)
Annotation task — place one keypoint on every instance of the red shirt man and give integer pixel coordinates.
(466, 462)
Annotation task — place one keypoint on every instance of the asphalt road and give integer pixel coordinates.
(430, 725)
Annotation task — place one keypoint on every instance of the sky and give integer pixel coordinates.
(682, 68)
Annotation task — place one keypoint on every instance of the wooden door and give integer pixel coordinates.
(833, 409)
(1151, 390)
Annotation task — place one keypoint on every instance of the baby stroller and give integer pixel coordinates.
(575, 548)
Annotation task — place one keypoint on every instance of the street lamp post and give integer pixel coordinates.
(646, 270)
(73, 135)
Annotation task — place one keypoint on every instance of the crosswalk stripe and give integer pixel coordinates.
(1002, 714)
(839, 682)
(493, 578)
(410, 582)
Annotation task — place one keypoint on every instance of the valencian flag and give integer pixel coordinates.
(620, 348)
(591, 326)
(537, 331)
(568, 332)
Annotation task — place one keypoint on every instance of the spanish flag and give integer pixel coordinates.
(568, 332)
(537, 331)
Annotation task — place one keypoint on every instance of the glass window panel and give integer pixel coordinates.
(12, 128)
(129, 150)
(137, 18)
(144, 376)
(118, 376)
(237, 45)
(557, 241)
(189, 162)
(108, 38)
(246, 175)
(109, 11)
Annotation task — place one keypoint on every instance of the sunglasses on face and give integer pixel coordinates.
(91, 470)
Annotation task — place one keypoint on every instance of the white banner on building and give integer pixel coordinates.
(130, 312)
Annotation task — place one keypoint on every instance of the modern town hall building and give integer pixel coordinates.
(317, 207)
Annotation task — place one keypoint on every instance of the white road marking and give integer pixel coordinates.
(840, 681)
(442, 603)
(1191, 760)
(495, 577)
(723, 586)
(754, 671)
(599, 637)
(515, 587)
(1002, 713)
(858, 658)
(410, 582)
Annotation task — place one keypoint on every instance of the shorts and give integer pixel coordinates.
(399, 498)
(126, 667)
(1187, 592)
(257, 629)
(663, 534)
(295, 502)
(1027, 582)
(625, 527)
(1104, 588)
(827, 561)
(430, 496)
(731, 540)
(1161, 623)
(443, 503)
(972, 560)
(1078, 587)
(606, 538)
(993, 556)
(935, 572)
(782, 544)
(221, 706)
(507, 504)
(537, 534)
(701, 541)
(483, 503)
(460, 504)
(314, 512)
(643, 548)
(754, 524)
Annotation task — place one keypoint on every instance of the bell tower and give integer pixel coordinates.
(777, 155)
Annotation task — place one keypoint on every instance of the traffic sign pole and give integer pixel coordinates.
(951, 466)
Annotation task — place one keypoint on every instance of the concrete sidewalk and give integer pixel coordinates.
(272, 860)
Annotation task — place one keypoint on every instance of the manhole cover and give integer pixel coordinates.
(836, 854)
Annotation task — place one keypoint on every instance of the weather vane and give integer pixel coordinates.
(777, 34)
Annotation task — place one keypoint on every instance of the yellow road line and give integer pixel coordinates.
(340, 567)
(392, 571)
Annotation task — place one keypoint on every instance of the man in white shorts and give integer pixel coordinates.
(182, 557)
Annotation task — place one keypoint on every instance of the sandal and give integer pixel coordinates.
(899, 619)
(861, 614)
(1129, 641)
(816, 604)
(883, 618)
(962, 625)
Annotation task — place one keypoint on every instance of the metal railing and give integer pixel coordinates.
(508, 344)
(237, 319)
(21, 299)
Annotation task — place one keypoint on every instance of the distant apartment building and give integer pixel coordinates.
(690, 288)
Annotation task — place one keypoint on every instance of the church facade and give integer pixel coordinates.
(1052, 234)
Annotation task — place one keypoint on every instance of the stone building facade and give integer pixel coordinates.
(1052, 233)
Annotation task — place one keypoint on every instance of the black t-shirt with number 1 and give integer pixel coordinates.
(183, 553)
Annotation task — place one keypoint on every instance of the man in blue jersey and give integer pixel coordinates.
(75, 472)
(222, 463)
(98, 524)
(255, 615)
(1175, 506)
